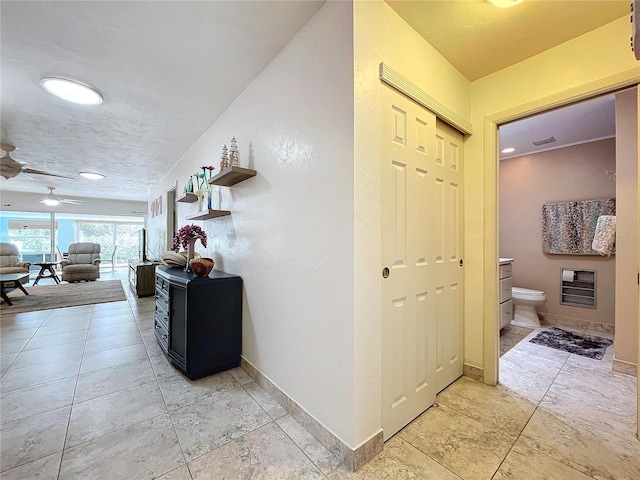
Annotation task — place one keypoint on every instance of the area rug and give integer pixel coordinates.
(585, 345)
(44, 297)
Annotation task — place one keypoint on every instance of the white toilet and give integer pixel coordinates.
(525, 301)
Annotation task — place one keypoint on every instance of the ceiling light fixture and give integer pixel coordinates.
(51, 202)
(91, 175)
(508, 150)
(71, 90)
(505, 3)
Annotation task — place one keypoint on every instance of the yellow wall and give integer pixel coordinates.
(598, 61)
(382, 36)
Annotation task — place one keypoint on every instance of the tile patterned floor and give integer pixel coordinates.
(86, 393)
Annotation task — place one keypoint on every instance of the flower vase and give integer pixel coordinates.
(210, 197)
(200, 199)
(191, 250)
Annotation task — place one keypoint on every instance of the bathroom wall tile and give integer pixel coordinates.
(495, 407)
(42, 469)
(31, 438)
(398, 460)
(112, 379)
(317, 453)
(605, 383)
(105, 414)
(592, 451)
(625, 368)
(459, 443)
(600, 412)
(29, 401)
(576, 324)
(525, 462)
(215, 420)
(265, 453)
(142, 451)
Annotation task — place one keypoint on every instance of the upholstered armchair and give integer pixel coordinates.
(10, 260)
(83, 262)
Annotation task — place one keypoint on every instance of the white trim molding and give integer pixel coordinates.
(406, 87)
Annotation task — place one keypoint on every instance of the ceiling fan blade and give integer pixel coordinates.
(72, 202)
(33, 171)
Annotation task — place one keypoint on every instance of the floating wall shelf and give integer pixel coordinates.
(187, 198)
(231, 176)
(206, 214)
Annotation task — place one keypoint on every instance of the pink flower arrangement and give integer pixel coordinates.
(187, 232)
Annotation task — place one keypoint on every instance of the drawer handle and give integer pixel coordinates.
(165, 336)
(157, 326)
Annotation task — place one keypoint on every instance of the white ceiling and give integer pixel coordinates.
(582, 122)
(167, 70)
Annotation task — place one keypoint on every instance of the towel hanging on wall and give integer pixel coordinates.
(568, 228)
(604, 240)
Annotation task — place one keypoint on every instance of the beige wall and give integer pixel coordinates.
(552, 78)
(526, 183)
(627, 227)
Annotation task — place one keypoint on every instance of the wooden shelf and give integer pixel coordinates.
(231, 176)
(205, 214)
(187, 198)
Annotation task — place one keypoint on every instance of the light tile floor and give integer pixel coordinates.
(86, 393)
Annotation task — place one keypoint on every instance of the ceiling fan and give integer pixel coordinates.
(10, 168)
(52, 200)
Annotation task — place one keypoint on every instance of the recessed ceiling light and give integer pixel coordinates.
(71, 91)
(51, 202)
(505, 3)
(91, 175)
(508, 150)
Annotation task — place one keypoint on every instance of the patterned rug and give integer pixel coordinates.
(585, 345)
(44, 297)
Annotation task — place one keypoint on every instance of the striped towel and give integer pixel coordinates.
(604, 239)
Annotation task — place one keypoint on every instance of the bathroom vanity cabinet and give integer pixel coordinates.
(198, 321)
(506, 303)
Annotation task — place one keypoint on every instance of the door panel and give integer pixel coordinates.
(421, 245)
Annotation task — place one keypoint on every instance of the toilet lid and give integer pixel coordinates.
(526, 292)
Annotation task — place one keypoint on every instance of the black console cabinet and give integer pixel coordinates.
(198, 321)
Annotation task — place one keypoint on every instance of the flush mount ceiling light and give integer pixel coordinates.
(505, 3)
(71, 91)
(508, 150)
(91, 175)
(51, 202)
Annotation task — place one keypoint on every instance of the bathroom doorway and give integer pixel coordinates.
(571, 154)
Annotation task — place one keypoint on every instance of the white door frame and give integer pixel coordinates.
(491, 220)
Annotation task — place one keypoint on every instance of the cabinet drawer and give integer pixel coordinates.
(162, 301)
(505, 270)
(505, 289)
(161, 335)
(162, 285)
(162, 317)
(506, 313)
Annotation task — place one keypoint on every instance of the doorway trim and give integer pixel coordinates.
(491, 158)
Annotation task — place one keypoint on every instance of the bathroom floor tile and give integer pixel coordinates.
(142, 451)
(100, 344)
(466, 447)
(215, 420)
(524, 462)
(114, 356)
(28, 439)
(16, 378)
(495, 407)
(114, 411)
(268, 404)
(266, 453)
(41, 398)
(54, 354)
(45, 468)
(398, 460)
(583, 447)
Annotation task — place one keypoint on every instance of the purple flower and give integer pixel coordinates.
(181, 239)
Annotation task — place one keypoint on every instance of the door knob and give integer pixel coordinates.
(385, 272)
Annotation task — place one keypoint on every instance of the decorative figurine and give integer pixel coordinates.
(224, 159)
(234, 159)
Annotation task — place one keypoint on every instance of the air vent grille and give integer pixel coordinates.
(544, 141)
